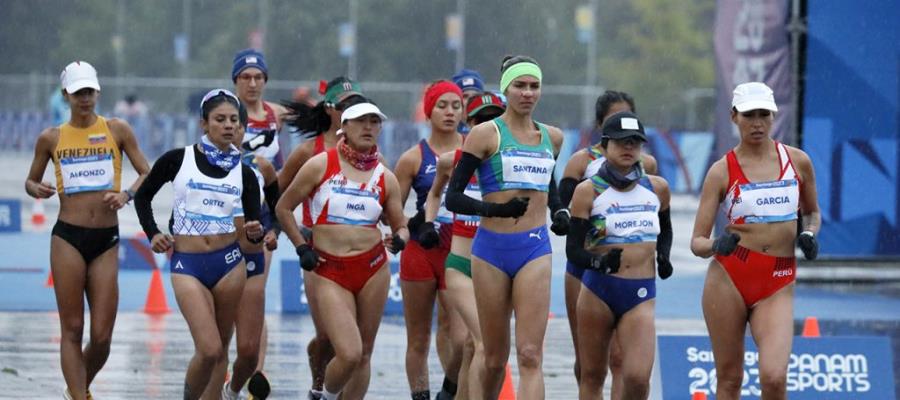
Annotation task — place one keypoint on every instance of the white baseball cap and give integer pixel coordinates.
(753, 96)
(79, 75)
(358, 110)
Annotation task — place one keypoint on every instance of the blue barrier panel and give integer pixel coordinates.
(851, 367)
(10, 215)
(293, 293)
(135, 254)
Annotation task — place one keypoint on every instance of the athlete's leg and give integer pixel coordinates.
(264, 336)
(248, 327)
(615, 366)
(319, 350)
(370, 307)
(468, 351)
(69, 275)
(338, 319)
(572, 289)
(453, 338)
(103, 300)
(197, 306)
(636, 334)
(772, 326)
(493, 292)
(531, 301)
(595, 325)
(461, 296)
(726, 321)
(418, 306)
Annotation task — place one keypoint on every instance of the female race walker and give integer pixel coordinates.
(583, 165)
(322, 123)
(459, 292)
(84, 257)
(621, 232)
(211, 188)
(762, 186)
(349, 190)
(251, 311)
(421, 267)
(515, 157)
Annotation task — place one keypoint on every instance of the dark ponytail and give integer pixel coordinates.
(306, 120)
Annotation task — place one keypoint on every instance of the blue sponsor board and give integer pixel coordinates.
(293, 293)
(851, 367)
(10, 215)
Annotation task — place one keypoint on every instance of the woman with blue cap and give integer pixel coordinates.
(250, 74)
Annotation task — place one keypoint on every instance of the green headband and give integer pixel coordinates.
(517, 70)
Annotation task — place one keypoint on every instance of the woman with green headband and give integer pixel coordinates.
(515, 157)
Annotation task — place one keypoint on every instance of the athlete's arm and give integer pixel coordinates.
(295, 160)
(809, 198)
(394, 211)
(306, 180)
(280, 113)
(250, 202)
(433, 201)
(128, 144)
(714, 187)
(582, 201)
(34, 185)
(572, 174)
(649, 164)
(164, 170)
(664, 239)
(405, 171)
(270, 187)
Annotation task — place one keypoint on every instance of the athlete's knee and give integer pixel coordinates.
(530, 356)
(615, 360)
(495, 360)
(637, 384)
(351, 355)
(101, 341)
(72, 329)
(209, 356)
(729, 379)
(773, 380)
(418, 344)
(248, 350)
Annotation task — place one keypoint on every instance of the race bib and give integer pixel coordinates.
(764, 202)
(212, 203)
(353, 206)
(525, 169)
(631, 224)
(87, 174)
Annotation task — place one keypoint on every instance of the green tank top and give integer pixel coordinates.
(517, 166)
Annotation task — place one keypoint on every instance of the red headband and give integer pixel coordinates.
(437, 90)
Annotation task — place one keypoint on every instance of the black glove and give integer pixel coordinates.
(724, 245)
(560, 224)
(808, 243)
(663, 266)
(308, 257)
(397, 244)
(514, 208)
(607, 263)
(416, 221)
(428, 235)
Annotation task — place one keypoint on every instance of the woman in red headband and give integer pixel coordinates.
(422, 263)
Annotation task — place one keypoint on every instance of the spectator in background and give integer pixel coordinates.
(302, 95)
(59, 109)
(130, 108)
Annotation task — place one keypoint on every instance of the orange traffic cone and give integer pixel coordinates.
(156, 296)
(698, 396)
(508, 390)
(811, 327)
(37, 213)
(49, 279)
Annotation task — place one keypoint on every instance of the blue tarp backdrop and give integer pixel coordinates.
(850, 124)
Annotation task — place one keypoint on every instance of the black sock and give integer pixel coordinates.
(448, 387)
(423, 395)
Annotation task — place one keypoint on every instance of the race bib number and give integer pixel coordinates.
(87, 174)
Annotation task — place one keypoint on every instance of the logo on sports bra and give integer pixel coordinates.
(430, 169)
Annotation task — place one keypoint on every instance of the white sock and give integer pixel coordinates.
(228, 394)
(328, 395)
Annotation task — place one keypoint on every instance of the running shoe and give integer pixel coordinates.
(258, 387)
(314, 395)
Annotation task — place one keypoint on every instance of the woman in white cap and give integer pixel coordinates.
(211, 188)
(768, 193)
(84, 259)
(349, 192)
(621, 235)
